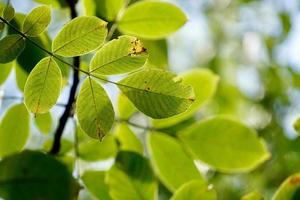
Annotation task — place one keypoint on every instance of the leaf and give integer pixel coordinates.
(44, 122)
(14, 130)
(173, 171)
(156, 93)
(5, 71)
(109, 9)
(80, 36)
(204, 83)
(225, 144)
(131, 178)
(42, 87)
(94, 182)
(37, 21)
(8, 13)
(125, 107)
(94, 109)
(10, 47)
(195, 190)
(151, 19)
(128, 141)
(34, 175)
(255, 195)
(158, 53)
(119, 56)
(289, 189)
(93, 150)
(66, 146)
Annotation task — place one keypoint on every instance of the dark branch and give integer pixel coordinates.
(69, 107)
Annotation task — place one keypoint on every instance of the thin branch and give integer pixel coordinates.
(149, 128)
(69, 107)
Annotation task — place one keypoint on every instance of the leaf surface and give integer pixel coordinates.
(80, 36)
(10, 47)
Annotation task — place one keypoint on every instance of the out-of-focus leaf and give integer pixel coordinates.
(158, 53)
(66, 146)
(44, 122)
(156, 93)
(151, 19)
(8, 13)
(171, 163)
(94, 109)
(80, 36)
(14, 130)
(252, 196)
(93, 150)
(204, 83)
(119, 56)
(127, 139)
(131, 178)
(289, 189)
(125, 107)
(37, 21)
(5, 71)
(10, 47)
(34, 175)
(195, 190)
(109, 9)
(89, 7)
(43, 86)
(94, 182)
(225, 144)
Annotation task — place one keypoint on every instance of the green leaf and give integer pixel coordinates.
(2, 26)
(128, 141)
(195, 190)
(171, 163)
(93, 150)
(225, 144)
(8, 13)
(34, 175)
(10, 47)
(131, 178)
(125, 108)
(14, 130)
(80, 36)
(42, 87)
(119, 56)
(109, 9)
(37, 21)
(255, 195)
(158, 53)
(204, 83)
(44, 122)
(288, 190)
(151, 19)
(94, 182)
(156, 93)
(94, 109)
(5, 71)
(66, 146)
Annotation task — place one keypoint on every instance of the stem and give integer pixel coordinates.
(68, 110)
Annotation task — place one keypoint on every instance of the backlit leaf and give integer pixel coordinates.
(8, 13)
(288, 189)
(80, 36)
(37, 21)
(131, 178)
(5, 71)
(94, 109)
(151, 19)
(44, 122)
(225, 144)
(156, 93)
(10, 47)
(204, 83)
(14, 130)
(168, 159)
(119, 56)
(42, 87)
(109, 9)
(195, 190)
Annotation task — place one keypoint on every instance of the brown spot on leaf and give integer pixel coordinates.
(295, 180)
(137, 47)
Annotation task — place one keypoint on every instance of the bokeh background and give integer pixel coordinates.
(253, 45)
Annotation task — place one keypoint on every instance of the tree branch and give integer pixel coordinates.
(69, 107)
